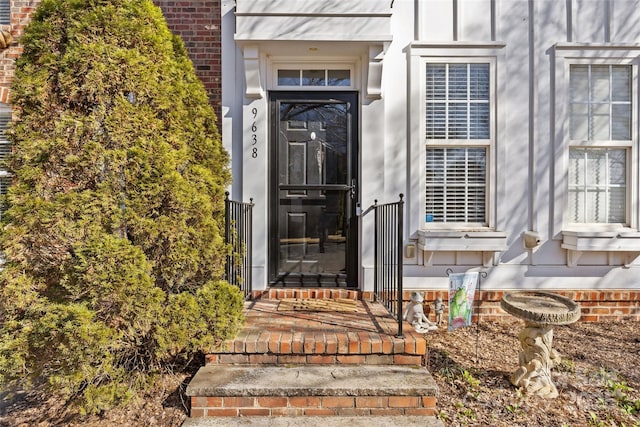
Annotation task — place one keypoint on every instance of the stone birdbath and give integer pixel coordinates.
(541, 311)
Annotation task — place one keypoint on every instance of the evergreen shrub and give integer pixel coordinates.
(112, 236)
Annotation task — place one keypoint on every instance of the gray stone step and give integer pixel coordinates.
(336, 421)
(311, 391)
(312, 380)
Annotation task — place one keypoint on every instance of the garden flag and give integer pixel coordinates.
(462, 287)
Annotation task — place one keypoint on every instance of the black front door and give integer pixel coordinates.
(313, 160)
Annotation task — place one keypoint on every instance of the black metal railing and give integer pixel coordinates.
(238, 235)
(388, 235)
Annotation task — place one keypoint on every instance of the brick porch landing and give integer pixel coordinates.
(368, 336)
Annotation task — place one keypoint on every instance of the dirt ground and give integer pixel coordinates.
(598, 381)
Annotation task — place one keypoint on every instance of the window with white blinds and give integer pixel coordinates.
(458, 140)
(5, 12)
(600, 98)
(457, 98)
(5, 145)
(597, 185)
(600, 117)
(456, 185)
(5, 150)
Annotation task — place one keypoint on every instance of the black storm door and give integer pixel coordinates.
(313, 232)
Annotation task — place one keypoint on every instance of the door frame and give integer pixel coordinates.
(353, 239)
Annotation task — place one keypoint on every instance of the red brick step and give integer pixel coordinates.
(368, 336)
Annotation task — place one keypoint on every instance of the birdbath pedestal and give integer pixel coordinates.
(541, 311)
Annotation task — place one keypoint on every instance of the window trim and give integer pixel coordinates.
(567, 54)
(489, 144)
(487, 240)
(580, 238)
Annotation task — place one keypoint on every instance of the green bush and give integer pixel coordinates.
(112, 237)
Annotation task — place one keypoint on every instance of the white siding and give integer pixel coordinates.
(625, 20)
(590, 20)
(476, 20)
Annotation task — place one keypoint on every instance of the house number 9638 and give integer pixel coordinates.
(254, 136)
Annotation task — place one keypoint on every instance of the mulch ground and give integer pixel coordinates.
(598, 378)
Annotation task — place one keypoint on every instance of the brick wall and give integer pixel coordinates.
(21, 11)
(596, 306)
(199, 25)
(197, 22)
(242, 406)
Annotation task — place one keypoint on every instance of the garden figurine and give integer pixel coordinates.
(438, 307)
(414, 314)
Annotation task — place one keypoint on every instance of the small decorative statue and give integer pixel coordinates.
(5, 39)
(414, 314)
(438, 308)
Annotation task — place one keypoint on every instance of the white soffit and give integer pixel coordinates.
(323, 20)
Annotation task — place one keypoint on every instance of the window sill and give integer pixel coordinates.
(487, 242)
(577, 242)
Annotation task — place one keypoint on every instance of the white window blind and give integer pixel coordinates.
(5, 145)
(5, 12)
(457, 101)
(600, 106)
(458, 110)
(5, 150)
(600, 102)
(597, 185)
(456, 185)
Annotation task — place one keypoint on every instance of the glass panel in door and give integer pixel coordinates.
(314, 192)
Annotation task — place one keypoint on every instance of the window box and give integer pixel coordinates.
(487, 242)
(577, 242)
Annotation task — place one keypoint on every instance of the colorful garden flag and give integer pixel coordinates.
(462, 287)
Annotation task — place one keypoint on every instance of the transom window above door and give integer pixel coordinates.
(314, 78)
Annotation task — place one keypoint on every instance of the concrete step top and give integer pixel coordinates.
(312, 380)
(334, 421)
